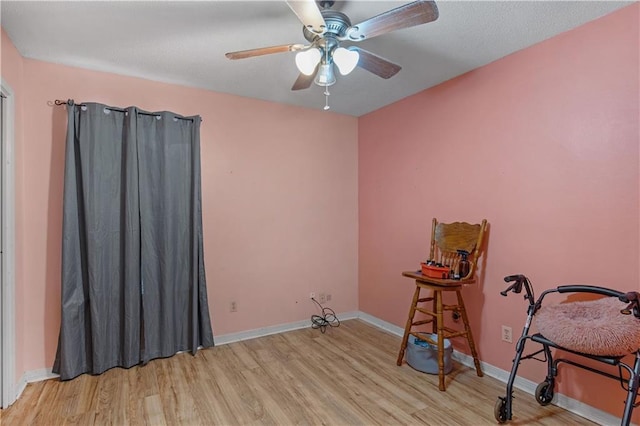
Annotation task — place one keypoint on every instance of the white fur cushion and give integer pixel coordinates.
(595, 327)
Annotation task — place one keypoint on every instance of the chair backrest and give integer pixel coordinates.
(448, 238)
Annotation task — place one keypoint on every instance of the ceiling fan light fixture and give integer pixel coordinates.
(346, 59)
(325, 76)
(307, 60)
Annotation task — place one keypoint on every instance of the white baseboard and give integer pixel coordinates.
(39, 375)
(22, 383)
(274, 329)
(33, 376)
(225, 339)
(562, 401)
(384, 325)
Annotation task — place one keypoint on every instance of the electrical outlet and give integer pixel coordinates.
(312, 295)
(507, 334)
(328, 297)
(233, 306)
(323, 298)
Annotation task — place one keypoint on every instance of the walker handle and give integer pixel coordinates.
(630, 297)
(581, 288)
(634, 307)
(515, 287)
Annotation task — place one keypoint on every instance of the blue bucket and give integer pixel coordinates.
(423, 356)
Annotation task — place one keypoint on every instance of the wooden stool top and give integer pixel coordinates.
(439, 282)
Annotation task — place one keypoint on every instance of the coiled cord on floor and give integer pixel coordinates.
(327, 319)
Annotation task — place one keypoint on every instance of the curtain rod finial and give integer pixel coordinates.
(68, 102)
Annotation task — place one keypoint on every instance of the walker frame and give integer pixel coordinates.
(544, 392)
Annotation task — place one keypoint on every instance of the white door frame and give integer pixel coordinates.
(7, 288)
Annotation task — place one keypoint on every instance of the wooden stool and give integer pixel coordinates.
(436, 318)
(449, 242)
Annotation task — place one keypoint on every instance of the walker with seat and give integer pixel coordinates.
(605, 330)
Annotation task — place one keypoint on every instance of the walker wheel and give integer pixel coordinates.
(500, 410)
(544, 393)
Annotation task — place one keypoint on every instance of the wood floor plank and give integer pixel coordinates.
(324, 394)
(153, 410)
(184, 374)
(85, 419)
(241, 399)
(378, 376)
(212, 410)
(346, 376)
(296, 387)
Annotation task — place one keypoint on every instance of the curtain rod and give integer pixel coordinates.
(70, 102)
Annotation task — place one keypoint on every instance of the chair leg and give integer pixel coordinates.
(407, 328)
(439, 329)
(434, 319)
(467, 328)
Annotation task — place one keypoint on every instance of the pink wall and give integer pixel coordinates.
(279, 201)
(12, 74)
(544, 145)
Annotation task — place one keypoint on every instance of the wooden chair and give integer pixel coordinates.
(446, 240)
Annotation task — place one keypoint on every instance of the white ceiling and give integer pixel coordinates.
(185, 42)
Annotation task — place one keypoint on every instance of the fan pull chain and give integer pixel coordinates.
(326, 98)
(326, 86)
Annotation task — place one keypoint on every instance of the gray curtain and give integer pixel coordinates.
(133, 280)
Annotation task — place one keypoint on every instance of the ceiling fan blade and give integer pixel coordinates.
(304, 81)
(242, 54)
(308, 13)
(409, 15)
(375, 64)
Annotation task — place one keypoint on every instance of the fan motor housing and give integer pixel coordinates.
(337, 25)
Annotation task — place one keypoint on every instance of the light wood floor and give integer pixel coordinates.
(346, 376)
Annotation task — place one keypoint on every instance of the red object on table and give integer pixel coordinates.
(432, 271)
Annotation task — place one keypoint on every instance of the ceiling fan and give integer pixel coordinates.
(326, 29)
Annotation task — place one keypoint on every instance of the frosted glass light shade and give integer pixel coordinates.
(345, 59)
(325, 76)
(307, 60)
